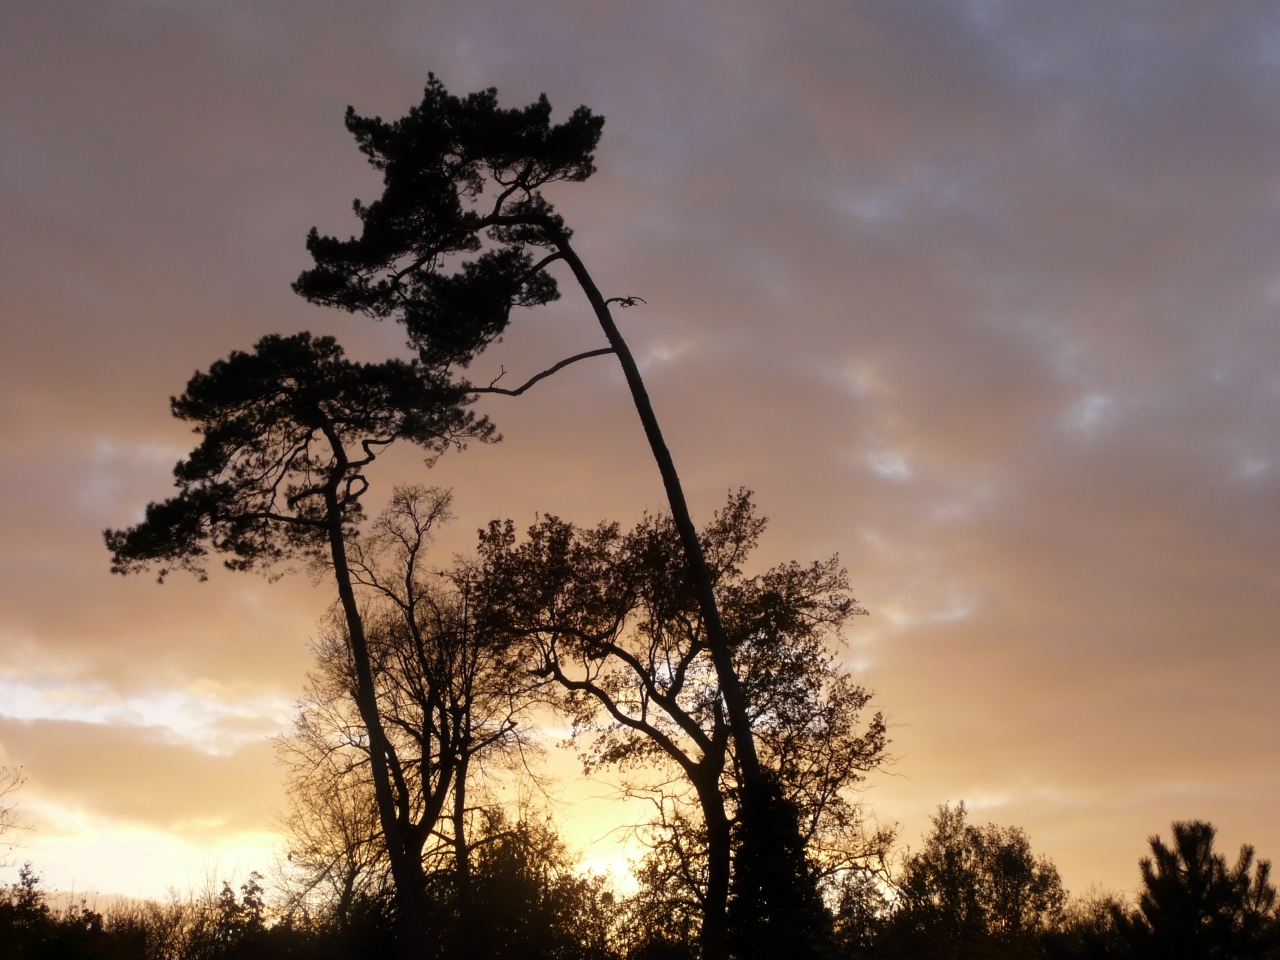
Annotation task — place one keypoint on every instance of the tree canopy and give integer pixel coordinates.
(612, 617)
(287, 431)
(455, 169)
(1193, 905)
(973, 891)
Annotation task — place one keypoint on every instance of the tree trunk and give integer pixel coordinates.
(406, 866)
(462, 860)
(715, 919)
(767, 841)
(717, 641)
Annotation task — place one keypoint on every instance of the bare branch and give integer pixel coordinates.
(545, 261)
(545, 373)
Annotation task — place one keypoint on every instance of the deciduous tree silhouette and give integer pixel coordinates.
(450, 696)
(336, 864)
(530, 900)
(461, 235)
(446, 677)
(613, 618)
(11, 779)
(972, 892)
(288, 432)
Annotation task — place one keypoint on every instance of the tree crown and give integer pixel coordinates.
(275, 466)
(454, 169)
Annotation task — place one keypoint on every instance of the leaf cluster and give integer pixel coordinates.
(614, 616)
(973, 891)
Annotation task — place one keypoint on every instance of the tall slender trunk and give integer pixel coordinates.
(406, 866)
(717, 641)
(775, 897)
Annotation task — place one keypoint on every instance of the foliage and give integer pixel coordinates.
(718, 692)
(1193, 905)
(527, 898)
(276, 477)
(1089, 930)
(531, 899)
(274, 467)
(454, 169)
(776, 907)
(218, 926)
(972, 892)
(613, 618)
(451, 700)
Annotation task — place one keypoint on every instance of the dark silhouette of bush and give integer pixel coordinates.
(776, 907)
(969, 892)
(530, 900)
(1192, 906)
(211, 927)
(1088, 931)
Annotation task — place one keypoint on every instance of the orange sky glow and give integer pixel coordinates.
(982, 296)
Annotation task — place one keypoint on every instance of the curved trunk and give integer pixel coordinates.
(768, 841)
(717, 641)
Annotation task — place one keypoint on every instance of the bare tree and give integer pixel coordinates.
(337, 864)
(11, 778)
(450, 700)
(448, 680)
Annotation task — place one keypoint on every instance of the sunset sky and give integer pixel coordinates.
(982, 296)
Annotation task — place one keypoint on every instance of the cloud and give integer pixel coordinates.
(138, 776)
(205, 716)
(979, 295)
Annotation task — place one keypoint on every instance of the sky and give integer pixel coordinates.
(981, 296)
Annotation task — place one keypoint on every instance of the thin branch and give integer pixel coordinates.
(370, 456)
(545, 373)
(545, 261)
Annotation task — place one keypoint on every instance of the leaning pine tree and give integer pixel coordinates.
(462, 234)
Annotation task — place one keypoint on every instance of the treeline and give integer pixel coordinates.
(969, 892)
